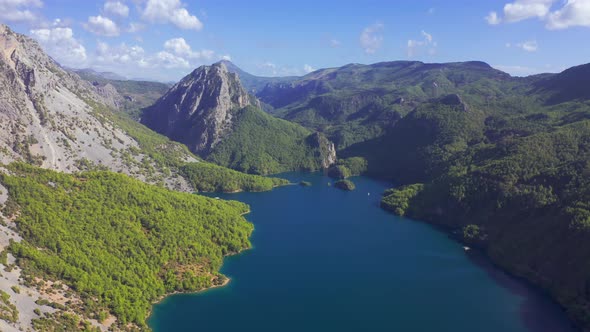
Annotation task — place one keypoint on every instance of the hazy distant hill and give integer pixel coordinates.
(254, 84)
(134, 94)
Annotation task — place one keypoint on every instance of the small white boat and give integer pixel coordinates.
(466, 248)
(217, 198)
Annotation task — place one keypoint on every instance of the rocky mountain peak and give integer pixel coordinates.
(198, 111)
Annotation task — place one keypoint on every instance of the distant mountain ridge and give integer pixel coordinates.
(89, 72)
(129, 95)
(253, 83)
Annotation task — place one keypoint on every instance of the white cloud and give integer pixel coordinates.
(121, 55)
(170, 11)
(135, 27)
(61, 45)
(116, 8)
(135, 56)
(413, 46)
(19, 10)
(102, 26)
(176, 56)
(523, 9)
(431, 11)
(226, 57)
(58, 23)
(371, 38)
(493, 18)
(180, 47)
(308, 69)
(529, 45)
(169, 61)
(334, 43)
(427, 36)
(573, 13)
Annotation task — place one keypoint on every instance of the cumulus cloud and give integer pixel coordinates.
(169, 61)
(573, 13)
(427, 41)
(116, 8)
(523, 9)
(529, 45)
(135, 27)
(180, 47)
(493, 19)
(61, 45)
(371, 38)
(176, 56)
(121, 55)
(19, 10)
(170, 11)
(134, 56)
(102, 26)
(308, 69)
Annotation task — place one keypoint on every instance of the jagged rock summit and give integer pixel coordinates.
(198, 111)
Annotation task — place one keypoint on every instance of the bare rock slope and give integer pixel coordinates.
(52, 118)
(198, 110)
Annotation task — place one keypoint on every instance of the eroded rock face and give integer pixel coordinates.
(48, 116)
(325, 148)
(198, 111)
(110, 95)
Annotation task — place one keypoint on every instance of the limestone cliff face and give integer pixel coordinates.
(325, 149)
(48, 116)
(198, 111)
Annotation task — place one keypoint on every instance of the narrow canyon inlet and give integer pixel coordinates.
(329, 260)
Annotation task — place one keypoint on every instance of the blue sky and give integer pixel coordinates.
(166, 39)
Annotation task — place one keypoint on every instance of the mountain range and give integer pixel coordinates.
(502, 162)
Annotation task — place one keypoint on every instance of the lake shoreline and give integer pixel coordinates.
(225, 282)
(480, 250)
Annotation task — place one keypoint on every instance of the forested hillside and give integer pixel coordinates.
(355, 103)
(511, 176)
(117, 243)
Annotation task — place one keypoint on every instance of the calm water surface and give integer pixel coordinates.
(329, 260)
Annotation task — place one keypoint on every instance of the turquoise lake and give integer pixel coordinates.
(328, 260)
